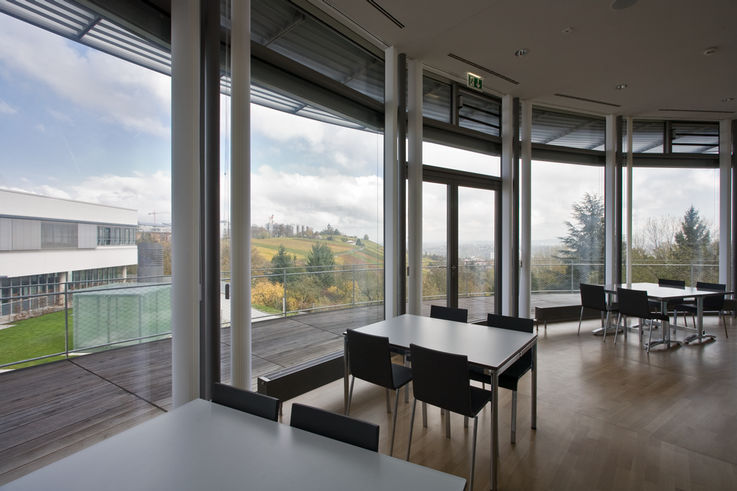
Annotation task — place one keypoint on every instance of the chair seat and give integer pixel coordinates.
(658, 316)
(401, 375)
(507, 380)
(479, 399)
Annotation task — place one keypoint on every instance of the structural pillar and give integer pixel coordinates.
(392, 182)
(510, 236)
(185, 193)
(414, 186)
(725, 203)
(240, 195)
(611, 200)
(525, 209)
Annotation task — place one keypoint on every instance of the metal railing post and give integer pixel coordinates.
(353, 281)
(66, 320)
(284, 297)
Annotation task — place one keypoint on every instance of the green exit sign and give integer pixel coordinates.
(474, 81)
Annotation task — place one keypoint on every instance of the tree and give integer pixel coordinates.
(693, 240)
(321, 258)
(584, 244)
(280, 262)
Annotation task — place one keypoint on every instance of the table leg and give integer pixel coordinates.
(494, 429)
(345, 373)
(700, 335)
(533, 381)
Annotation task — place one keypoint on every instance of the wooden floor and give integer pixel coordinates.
(609, 417)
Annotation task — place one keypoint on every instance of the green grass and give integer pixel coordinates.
(344, 252)
(31, 338)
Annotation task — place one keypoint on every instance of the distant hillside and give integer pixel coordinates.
(344, 248)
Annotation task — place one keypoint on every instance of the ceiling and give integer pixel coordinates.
(577, 49)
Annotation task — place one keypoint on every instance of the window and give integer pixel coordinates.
(58, 235)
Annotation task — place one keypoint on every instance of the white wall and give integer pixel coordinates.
(24, 263)
(13, 203)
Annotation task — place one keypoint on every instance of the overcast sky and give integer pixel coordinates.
(80, 124)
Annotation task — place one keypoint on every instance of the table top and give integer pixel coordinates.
(658, 292)
(203, 445)
(485, 346)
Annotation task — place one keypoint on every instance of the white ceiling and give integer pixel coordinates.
(656, 47)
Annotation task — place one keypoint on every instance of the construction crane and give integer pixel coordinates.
(154, 213)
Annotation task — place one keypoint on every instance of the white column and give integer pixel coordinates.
(628, 205)
(185, 197)
(725, 203)
(240, 195)
(414, 186)
(609, 197)
(392, 182)
(525, 209)
(507, 211)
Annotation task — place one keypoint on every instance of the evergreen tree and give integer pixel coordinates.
(584, 243)
(693, 240)
(281, 262)
(321, 258)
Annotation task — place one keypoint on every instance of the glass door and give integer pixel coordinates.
(460, 240)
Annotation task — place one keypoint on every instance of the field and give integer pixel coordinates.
(345, 252)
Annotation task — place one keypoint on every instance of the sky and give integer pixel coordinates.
(80, 124)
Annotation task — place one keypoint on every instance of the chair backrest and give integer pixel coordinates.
(335, 426)
(246, 401)
(521, 324)
(715, 302)
(593, 296)
(672, 283)
(633, 303)
(448, 313)
(441, 379)
(369, 358)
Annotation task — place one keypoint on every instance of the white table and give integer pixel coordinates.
(664, 294)
(206, 446)
(492, 348)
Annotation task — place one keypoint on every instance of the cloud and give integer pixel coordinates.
(116, 91)
(6, 108)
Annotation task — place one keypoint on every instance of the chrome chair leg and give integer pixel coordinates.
(411, 424)
(580, 318)
(447, 424)
(388, 402)
(514, 417)
(465, 421)
(616, 329)
(650, 334)
(350, 396)
(394, 422)
(473, 454)
(424, 415)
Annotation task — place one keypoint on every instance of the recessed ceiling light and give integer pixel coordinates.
(620, 86)
(622, 4)
(567, 30)
(728, 99)
(710, 51)
(521, 52)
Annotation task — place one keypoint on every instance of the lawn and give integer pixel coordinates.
(31, 338)
(345, 253)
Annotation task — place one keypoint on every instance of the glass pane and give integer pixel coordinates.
(567, 231)
(479, 113)
(463, 160)
(476, 213)
(434, 245)
(436, 99)
(674, 224)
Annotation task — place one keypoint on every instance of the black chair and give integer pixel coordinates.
(335, 426)
(448, 313)
(594, 297)
(369, 359)
(511, 376)
(441, 379)
(246, 401)
(712, 303)
(655, 306)
(634, 303)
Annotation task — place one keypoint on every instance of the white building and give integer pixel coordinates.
(46, 242)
